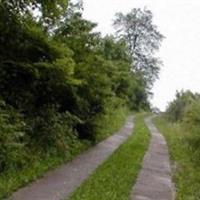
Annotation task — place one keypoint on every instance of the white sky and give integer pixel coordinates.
(179, 21)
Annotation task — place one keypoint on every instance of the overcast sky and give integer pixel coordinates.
(179, 21)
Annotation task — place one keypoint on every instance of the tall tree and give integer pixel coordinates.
(143, 40)
(47, 11)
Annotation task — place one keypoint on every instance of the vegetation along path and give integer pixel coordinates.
(60, 183)
(154, 181)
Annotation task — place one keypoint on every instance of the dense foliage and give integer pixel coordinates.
(185, 110)
(60, 81)
(180, 125)
(185, 156)
(184, 107)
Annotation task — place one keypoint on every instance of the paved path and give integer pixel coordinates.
(154, 181)
(58, 184)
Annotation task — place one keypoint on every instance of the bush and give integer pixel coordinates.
(185, 109)
(192, 115)
(12, 144)
(177, 109)
(192, 124)
(53, 132)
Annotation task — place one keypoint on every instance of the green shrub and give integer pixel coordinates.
(52, 132)
(111, 119)
(192, 115)
(12, 144)
(185, 155)
(191, 123)
(176, 110)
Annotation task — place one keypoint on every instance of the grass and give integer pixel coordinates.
(14, 179)
(115, 178)
(111, 122)
(186, 163)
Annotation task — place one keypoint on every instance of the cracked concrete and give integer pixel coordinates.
(154, 181)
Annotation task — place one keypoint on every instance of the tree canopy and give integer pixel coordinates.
(143, 40)
(48, 11)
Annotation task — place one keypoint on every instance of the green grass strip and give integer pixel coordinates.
(185, 163)
(115, 178)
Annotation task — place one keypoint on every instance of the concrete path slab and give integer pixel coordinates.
(59, 184)
(154, 181)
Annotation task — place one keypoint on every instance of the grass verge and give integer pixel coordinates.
(186, 173)
(115, 178)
